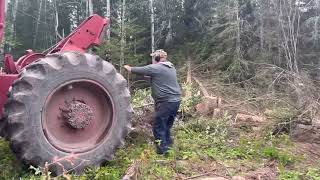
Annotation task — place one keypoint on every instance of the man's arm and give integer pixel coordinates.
(148, 70)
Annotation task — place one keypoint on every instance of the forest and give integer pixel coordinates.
(249, 70)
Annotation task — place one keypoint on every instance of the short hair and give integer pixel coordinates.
(159, 52)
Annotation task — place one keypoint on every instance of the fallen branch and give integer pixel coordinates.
(138, 81)
(202, 88)
(189, 80)
(132, 172)
(189, 76)
(145, 105)
(205, 174)
(314, 153)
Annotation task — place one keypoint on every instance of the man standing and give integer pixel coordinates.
(166, 93)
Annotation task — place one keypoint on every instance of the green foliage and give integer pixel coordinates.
(313, 173)
(140, 97)
(212, 137)
(9, 167)
(281, 118)
(195, 140)
(9, 39)
(290, 175)
(238, 71)
(281, 113)
(283, 157)
(188, 103)
(107, 173)
(260, 149)
(310, 173)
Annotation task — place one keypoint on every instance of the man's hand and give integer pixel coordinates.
(127, 67)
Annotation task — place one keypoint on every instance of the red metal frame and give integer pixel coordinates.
(89, 33)
(6, 81)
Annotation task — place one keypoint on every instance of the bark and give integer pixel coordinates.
(109, 17)
(316, 22)
(14, 24)
(37, 25)
(6, 6)
(152, 26)
(238, 43)
(123, 34)
(202, 87)
(289, 20)
(169, 36)
(3, 42)
(189, 79)
(90, 7)
(58, 36)
(261, 28)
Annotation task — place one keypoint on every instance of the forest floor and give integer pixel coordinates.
(205, 146)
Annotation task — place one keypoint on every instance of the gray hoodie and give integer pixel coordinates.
(164, 84)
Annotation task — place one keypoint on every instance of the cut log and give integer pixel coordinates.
(131, 173)
(217, 112)
(249, 118)
(208, 105)
(189, 80)
(201, 86)
(189, 76)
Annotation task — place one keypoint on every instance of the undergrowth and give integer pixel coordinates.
(9, 167)
(201, 145)
(309, 174)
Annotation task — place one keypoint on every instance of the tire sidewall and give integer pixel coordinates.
(52, 80)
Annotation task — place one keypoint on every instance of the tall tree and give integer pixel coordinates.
(108, 16)
(58, 36)
(152, 26)
(123, 34)
(90, 7)
(37, 25)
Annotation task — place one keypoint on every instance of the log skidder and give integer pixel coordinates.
(70, 110)
(66, 109)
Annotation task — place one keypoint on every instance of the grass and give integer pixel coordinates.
(198, 142)
(9, 167)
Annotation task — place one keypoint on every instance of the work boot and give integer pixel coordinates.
(162, 150)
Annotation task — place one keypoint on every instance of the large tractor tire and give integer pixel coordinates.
(68, 111)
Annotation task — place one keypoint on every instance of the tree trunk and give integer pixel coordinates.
(152, 26)
(14, 13)
(58, 36)
(123, 35)
(189, 78)
(6, 6)
(261, 28)
(238, 43)
(3, 41)
(109, 17)
(37, 26)
(169, 36)
(316, 22)
(90, 7)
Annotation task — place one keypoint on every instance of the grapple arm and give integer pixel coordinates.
(89, 33)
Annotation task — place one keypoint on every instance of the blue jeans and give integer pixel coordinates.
(165, 113)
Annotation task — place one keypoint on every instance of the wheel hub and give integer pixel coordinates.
(77, 114)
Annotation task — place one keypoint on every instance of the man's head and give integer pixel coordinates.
(160, 54)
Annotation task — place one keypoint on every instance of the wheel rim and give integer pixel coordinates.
(77, 116)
